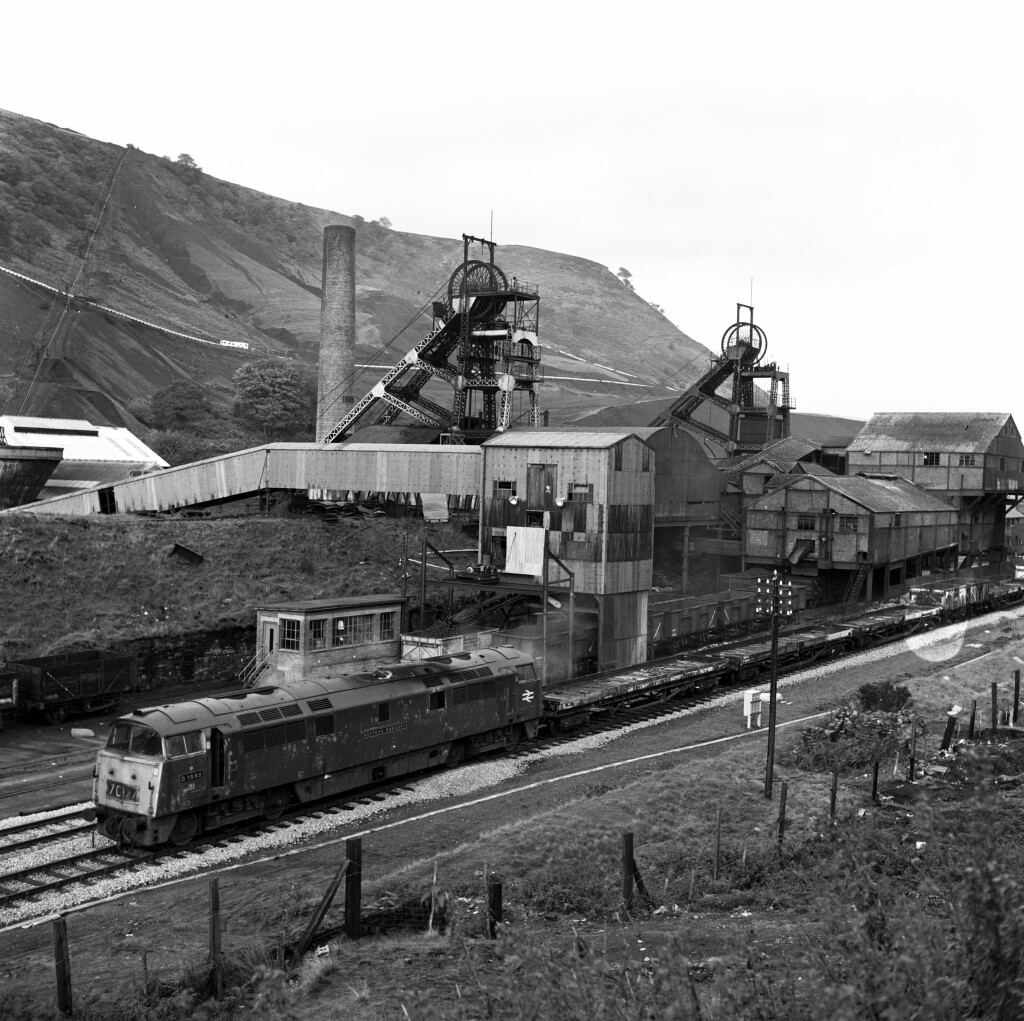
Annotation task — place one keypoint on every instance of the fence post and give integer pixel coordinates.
(718, 844)
(62, 959)
(913, 751)
(627, 871)
(995, 708)
(353, 886)
(493, 908)
(832, 799)
(947, 736)
(974, 713)
(216, 957)
(1016, 696)
(782, 811)
(874, 783)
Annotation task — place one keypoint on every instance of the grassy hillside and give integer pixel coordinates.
(167, 243)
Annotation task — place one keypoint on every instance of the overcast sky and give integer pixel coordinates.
(861, 163)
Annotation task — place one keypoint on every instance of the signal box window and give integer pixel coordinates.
(354, 630)
(317, 634)
(847, 522)
(387, 625)
(805, 522)
(291, 636)
(931, 459)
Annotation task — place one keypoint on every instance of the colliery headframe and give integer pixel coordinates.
(483, 343)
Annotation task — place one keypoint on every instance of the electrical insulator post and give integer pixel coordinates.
(775, 600)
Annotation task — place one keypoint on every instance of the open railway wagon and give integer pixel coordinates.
(73, 682)
(8, 696)
(676, 622)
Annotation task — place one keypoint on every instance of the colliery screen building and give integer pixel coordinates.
(974, 460)
(851, 533)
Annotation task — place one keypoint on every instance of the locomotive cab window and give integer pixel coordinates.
(134, 739)
(437, 700)
(184, 744)
(526, 672)
(383, 712)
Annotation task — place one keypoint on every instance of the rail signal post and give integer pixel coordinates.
(774, 598)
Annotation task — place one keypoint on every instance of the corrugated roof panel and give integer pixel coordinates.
(560, 438)
(884, 495)
(102, 443)
(920, 431)
(31, 422)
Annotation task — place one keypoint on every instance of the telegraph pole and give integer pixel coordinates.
(775, 598)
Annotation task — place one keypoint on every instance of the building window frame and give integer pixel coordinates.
(502, 489)
(580, 492)
(388, 625)
(316, 633)
(289, 634)
(849, 523)
(806, 523)
(966, 461)
(931, 459)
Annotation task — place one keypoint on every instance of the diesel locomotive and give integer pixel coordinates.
(173, 771)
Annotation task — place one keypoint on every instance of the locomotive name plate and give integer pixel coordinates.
(376, 731)
(122, 791)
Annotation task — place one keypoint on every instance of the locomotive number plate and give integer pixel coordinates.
(122, 791)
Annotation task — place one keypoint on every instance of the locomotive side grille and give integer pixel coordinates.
(295, 730)
(323, 725)
(292, 709)
(318, 705)
(490, 688)
(252, 741)
(248, 719)
(460, 696)
(429, 682)
(273, 713)
(276, 736)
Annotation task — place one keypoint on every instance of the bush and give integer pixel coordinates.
(884, 696)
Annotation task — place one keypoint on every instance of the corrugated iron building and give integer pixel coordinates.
(838, 529)
(591, 497)
(92, 454)
(973, 459)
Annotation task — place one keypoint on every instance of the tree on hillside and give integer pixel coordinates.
(626, 277)
(189, 169)
(275, 396)
(183, 403)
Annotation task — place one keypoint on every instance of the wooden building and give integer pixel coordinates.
(852, 533)
(311, 637)
(587, 498)
(975, 460)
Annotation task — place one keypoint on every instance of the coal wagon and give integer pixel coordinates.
(73, 682)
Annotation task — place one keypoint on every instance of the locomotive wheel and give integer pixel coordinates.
(275, 805)
(186, 826)
(456, 753)
(515, 735)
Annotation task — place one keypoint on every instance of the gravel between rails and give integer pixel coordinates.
(455, 783)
